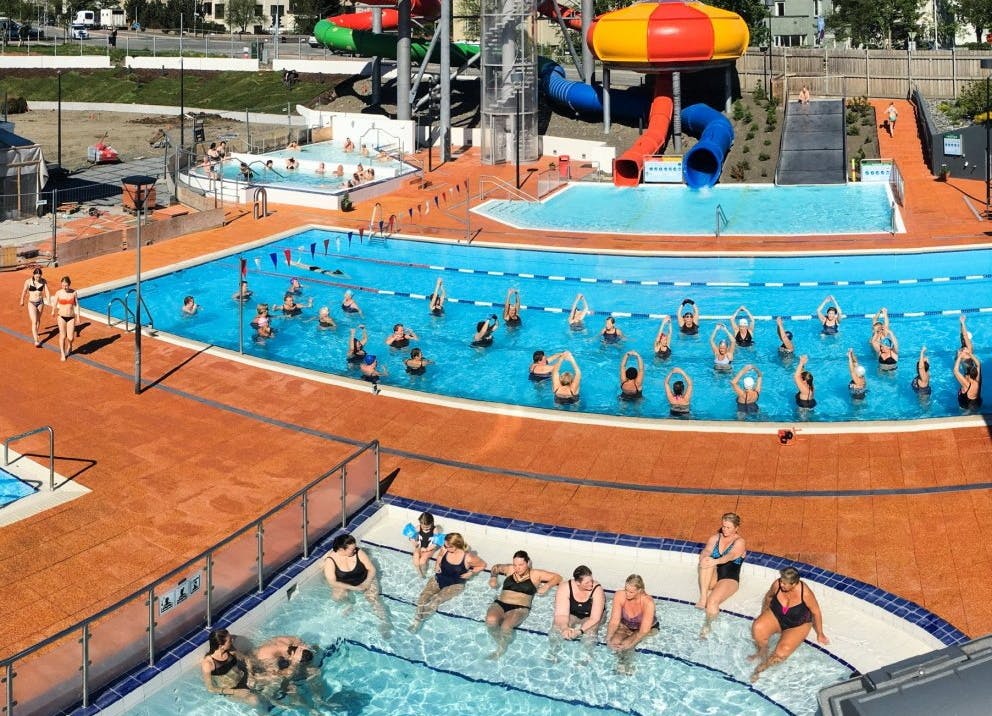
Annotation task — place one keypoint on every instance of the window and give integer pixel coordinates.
(779, 9)
(817, 8)
(219, 11)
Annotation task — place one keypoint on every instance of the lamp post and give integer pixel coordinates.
(59, 120)
(516, 133)
(137, 187)
(770, 4)
(987, 65)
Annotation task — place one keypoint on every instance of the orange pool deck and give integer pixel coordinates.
(206, 447)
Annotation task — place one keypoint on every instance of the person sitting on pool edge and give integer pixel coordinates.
(455, 565)
(484, 332)
(348, 569)
(580, 309)
(437, 299)
(356, 346)
(723, 351)
(512, 605)
(579, 607)
(805, 395)
(679, 392)
(831, 319)
(663, 340)
(747, 389)
(511, 308)
(416, 364)
(744, 333)
(632, 619)
(565, 385)
(688, 315)
(720, 569)
(631, 378)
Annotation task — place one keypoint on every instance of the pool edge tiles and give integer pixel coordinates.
(490, 209)
(41, 499)
(186, 653)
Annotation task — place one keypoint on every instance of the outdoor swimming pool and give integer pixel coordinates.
(924, 294)
(750, 209)
(444, 668)
(13, 488)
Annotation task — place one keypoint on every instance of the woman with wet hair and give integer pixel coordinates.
(720, 568)
(225, 671)
(454, 566)
(513, 604)
(632, 619)
(348, 569)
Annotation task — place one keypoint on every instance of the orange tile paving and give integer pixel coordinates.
(208, 447)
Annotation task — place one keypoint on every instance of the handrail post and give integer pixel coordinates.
(151, 625)
(85, 668)
(51, 451)
(344, 497)
(260, 540)
(209, 596)
(305, 508)
(378, 493)
(9, 687)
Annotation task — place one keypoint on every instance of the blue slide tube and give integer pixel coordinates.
(587, 99)
(703, 163)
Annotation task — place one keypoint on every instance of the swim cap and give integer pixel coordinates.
(369, 359)
(742, 322)
(748, 383)
(860, 370)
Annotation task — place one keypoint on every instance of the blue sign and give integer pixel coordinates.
(952, 145)
(663, 170)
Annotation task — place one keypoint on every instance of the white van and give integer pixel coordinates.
(87, 18)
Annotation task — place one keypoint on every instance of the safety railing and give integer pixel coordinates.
(68, 667)
(548, 181)
(721, 220)
(51, 452)
(489, 183)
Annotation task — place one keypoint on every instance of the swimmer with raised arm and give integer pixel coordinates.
(790, 609)
(968, 374)
(401, 336)
(513, 604)
(511, 308)
(747, 388)
(805, 395)
(632, 619)
(190, 306)
(437, 299)
(565, 385)
(580, 309)
(965, 335)
(829, 314)
(786, 346)
(859, 384)
(720, 568)
(663, 339)
(542, 366)
(356, 345)
(879, 326)
(484, 330)
(723, 351)
(678, 392)
(688, 315)
(921, 381)
(631, 377)
(455, 565)
(744, 331)
(887, 350)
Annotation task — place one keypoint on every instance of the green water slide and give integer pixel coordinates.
(368, 44)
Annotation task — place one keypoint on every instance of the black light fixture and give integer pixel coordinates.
(138, 187)
(987, 65)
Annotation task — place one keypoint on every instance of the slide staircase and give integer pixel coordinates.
(813, 149)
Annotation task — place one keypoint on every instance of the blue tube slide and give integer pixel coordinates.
(703, 163)
(587, 99)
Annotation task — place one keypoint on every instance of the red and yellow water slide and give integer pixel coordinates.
(659, 38)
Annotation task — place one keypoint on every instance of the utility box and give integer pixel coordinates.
(564, 167)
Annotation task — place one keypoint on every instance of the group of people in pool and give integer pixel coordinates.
(64, 304)
(789, 607)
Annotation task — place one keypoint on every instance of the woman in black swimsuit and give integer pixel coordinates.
(720, 568)
(921, 381)
(631, 378)
(436, 299)
(565, 385)
(747, 389)
(348, 569)
(513, 603)
(483, 337)
(805, 396)
(968, 373)
(789, 608)
(579, 607)
(356, 346)
(511, 308)
(455, 565)
(224, 669)
(36, 291)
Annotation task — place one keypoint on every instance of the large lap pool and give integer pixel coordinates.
(924, 294)
(747, 210)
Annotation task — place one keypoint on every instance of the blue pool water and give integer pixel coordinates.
(388, 275)
(750, 209)
(443, 668)
(12, 488)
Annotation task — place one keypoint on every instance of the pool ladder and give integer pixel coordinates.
(51, 450)
(721, 220)
(129, 314)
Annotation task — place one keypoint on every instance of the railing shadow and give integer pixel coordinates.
(175, 369)
(67, 477)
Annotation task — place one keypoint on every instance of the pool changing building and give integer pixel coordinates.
(23, 175)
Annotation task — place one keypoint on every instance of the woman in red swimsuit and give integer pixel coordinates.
(789, 608)
(66, 307)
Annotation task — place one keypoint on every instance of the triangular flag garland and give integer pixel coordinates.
(288, 253)
(326, 242)
(313, 249)
(275, 260)
(244, 268)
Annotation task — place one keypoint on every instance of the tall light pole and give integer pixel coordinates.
(58, 73)
(770, 4)
(987, 65)
(137, 186)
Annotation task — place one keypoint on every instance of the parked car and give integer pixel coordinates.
(17, 31)
(79, 32)
(312, 41)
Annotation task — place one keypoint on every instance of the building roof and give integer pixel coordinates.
(8, 139)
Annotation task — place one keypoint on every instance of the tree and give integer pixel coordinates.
(241, 14)
(754, 13)
(977, 13)
(469, 12)
(875, 22)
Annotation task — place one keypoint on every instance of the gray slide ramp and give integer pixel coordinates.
(813, 144)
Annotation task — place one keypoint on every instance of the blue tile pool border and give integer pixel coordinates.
(913, 613)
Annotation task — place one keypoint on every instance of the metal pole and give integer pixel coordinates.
(377, 60)
(59, 120)
(241, 307)
(260, 555)
(588, 61)
(208, 594)
(445, 115)
(151, 626)
(137, 297)
(403, 61)
(85, 667)
(182, 98)
(988, 156)
(516, 134)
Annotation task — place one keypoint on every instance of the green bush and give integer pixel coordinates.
(770, 127)
(868, 139)
(853, 131)
(763, 157)
(738, 111)
(745, 149)
(767, 142)
(749, 137)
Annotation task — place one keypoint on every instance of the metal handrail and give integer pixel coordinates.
(500, 184)
(148, 591)
(378, 131)
(144, 307)
(127, 313)
(721, 220)
(51, 453)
